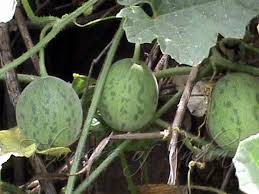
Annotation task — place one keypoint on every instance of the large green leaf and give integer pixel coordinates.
(246, 161)
(186, 29)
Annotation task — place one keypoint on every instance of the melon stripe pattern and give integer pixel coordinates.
(130, 96)
(234, 110)
(49, 113)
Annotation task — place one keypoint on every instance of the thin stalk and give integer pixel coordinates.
(93, 107)
(93, 176)
(95, 21)
(59, 25)
(170, 103)
(125, 167)
(23, 77)
(43, 70)
(136, 54)
(172, 71)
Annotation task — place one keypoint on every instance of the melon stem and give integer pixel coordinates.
(136, 54)
(36, 19)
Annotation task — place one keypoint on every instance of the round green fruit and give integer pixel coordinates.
(234, 110)
(49, 113)
(130, 96)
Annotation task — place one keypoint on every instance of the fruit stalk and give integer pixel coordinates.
(43, 70)
(136, 54)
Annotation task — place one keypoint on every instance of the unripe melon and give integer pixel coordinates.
(130, 96)
(49, 113)
(234, 110)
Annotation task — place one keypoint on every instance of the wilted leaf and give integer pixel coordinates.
(246, 161)
(13, 143)
(187, 29)
(57, 151)
(198, 101)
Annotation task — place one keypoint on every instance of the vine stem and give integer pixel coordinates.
(22, 77)
(219, 61)
(172, 71)
(33, 17)
(95, 21)
(170, 103)
(84, 185)
(57, 27)
(93, 107)
(250, 47)
(43, 70)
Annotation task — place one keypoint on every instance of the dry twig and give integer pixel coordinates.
(21, 23)
(173, 151)
(94, 156)
(6, 57)
(39, 167)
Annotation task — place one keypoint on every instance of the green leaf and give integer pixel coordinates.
(187, 29)
(246, 161)
(80, 81)
(13, 143)
(134, 2)
(57, 151)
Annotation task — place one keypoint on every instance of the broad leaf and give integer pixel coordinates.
(187, 29)
(246, 161)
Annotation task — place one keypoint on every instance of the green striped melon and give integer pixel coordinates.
(130, 96)
(49, 113)
(234, 110)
